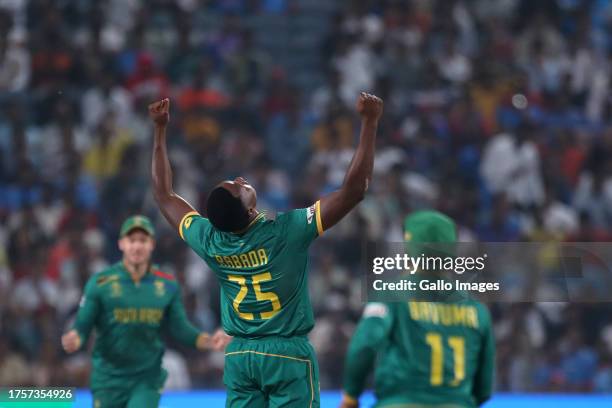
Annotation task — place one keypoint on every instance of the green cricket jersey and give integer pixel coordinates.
(128, 318)
(262, 272)
(428, 353)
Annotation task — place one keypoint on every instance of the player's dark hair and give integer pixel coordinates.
(225, 211)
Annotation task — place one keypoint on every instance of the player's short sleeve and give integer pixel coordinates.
(303, 225)
(194, 229)
(378, 310)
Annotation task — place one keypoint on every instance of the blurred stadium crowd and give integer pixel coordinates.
(497, 113)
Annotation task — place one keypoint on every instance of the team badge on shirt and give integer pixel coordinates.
(160, 289)
(116, 289)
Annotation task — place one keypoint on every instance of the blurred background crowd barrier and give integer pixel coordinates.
(496, 113)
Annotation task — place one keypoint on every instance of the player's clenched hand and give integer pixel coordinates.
(159, 112)
(71, 341)
(369, 106)
(220, 340)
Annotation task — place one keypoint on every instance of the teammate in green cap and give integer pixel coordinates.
(129, 304)
(428, 354)
(262, 266)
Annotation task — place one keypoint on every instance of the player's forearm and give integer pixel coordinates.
(359, 172)
(359, 362)
(161, 171)
(172, 206)
(84, 324)
(185, 333)
(180, 326)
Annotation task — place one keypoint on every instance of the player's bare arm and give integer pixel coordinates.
(172, 206)
(339, 203)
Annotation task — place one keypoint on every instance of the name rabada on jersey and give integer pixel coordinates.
(251, 259)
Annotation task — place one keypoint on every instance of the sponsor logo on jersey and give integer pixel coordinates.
(106, 279)
(310, 212)
(138, 315)
(188, 222)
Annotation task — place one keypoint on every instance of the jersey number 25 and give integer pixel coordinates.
(261, 296)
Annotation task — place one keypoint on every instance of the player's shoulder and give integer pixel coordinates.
(109, 274)
(284, 216)
(304, 215)
(194, 216)
(194, 222)
(479, 305)
(484, 315)
(156, 272)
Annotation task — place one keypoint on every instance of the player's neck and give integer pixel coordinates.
(136, 271)
(253, 217)
(252, 220)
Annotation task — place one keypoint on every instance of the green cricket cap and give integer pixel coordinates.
(422, 228)
(429, 226)
(137, 222)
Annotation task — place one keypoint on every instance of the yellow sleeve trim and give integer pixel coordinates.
(189, 214)
(318, 217)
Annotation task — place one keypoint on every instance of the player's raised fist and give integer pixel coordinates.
(160, 112)
(71, 341)
(369, 106)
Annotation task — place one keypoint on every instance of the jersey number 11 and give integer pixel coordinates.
(457, 344)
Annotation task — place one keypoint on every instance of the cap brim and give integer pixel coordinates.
(134, 228)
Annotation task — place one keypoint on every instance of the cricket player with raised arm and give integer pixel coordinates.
(261, 265)
(129, 304)
(424, 354)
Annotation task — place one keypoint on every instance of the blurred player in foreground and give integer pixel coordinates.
(430, 354)
(261, 266)
(129, 304)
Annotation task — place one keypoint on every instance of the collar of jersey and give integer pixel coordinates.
(126, 273)
(261, 216)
